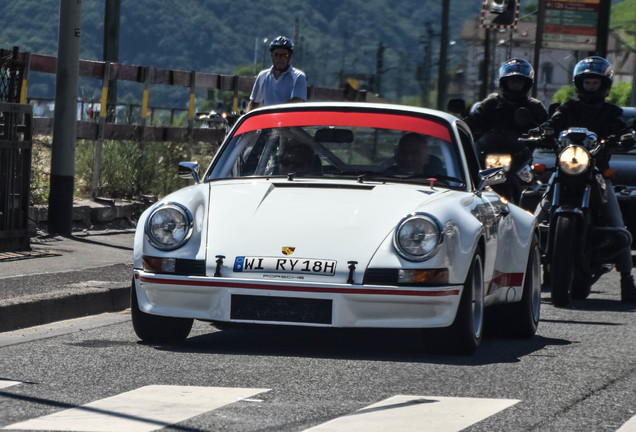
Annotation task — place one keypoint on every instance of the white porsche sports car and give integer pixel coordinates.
(339, 215)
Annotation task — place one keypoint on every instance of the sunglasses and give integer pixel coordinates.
(280, 55)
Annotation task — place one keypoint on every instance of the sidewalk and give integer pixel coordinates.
(64, 277)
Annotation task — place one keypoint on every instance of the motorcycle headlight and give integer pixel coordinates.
(169, 226)
(418, 237)
(574, 160)
(498, 160)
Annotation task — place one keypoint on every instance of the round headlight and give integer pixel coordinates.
(418, 237)
(574, 160)
(169, 226)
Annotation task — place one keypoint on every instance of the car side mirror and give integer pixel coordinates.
(490, 177)
(189, 169)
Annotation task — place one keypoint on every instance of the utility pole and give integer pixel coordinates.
(602, 33)
(424, 72)
(538, 41)
(63, 151)
(111, 51)
(379, 64)
(442, 80)
(485, 67)
(632, 96)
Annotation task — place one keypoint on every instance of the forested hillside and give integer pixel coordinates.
(220, 35)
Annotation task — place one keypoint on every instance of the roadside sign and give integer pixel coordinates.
(571, 24)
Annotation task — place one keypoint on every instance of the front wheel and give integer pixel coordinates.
(465, 333)
(154, 328)
(562, 266)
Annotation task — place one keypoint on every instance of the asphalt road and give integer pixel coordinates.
(577, 374)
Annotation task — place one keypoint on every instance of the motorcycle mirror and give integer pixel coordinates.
(552, 108)
(457, 107)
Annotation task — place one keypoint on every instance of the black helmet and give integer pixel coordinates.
(282, 42)
(593, 67)
(516, 67)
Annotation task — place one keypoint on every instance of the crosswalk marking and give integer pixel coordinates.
(630, 426)
(417, 413)
(154, 407)
(8, 383)
(144, 409)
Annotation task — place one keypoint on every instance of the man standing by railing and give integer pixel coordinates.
(281, 83)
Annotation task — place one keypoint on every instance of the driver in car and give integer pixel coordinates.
(412, 157)
(297, 158)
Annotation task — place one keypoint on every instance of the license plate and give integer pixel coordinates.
(285, 265)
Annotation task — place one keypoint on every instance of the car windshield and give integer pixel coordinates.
(353, 145)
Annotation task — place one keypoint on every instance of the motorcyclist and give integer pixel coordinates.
(497, 111)
(593, 78)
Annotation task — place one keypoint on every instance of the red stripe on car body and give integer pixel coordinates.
(245, 285)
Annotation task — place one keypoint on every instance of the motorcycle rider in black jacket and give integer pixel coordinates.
(497, 111)
(593, 77)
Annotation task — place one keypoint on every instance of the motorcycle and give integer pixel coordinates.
(214, 119)
(502, 148)
(578, 247)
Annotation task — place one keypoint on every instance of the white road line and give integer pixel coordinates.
(416, 413)
(630, 426)
(142, 410)
(8, 383)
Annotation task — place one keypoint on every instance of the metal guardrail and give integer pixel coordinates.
(149, 76)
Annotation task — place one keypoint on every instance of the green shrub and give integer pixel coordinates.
(129, 169)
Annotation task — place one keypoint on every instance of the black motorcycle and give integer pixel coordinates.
(578, 246)
(502, 148)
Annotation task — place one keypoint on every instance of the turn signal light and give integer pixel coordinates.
(158, 265)
(609, 173)
(425, 277)
(539, 168)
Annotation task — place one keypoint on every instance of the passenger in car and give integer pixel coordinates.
(298, 158)
(412, 157)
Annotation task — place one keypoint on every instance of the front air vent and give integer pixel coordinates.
(281, 309)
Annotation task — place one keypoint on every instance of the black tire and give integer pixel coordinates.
(562, 265)
(465, 334)
(523, 317)
(157, 329)
(581, 286)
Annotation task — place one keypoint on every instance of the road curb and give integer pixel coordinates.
(66, 304)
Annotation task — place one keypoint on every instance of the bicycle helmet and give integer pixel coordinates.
(593, 67)
(282, 42)
(516, 67)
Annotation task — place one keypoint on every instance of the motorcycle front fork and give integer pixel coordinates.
(558, 208)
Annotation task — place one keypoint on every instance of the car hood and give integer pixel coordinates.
(323, 220)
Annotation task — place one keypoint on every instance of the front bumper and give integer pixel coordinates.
(296, 303)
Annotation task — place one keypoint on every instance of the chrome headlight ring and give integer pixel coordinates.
(418, 237)
(574, 160)
(169, 226)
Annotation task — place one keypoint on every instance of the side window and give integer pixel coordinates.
(471, 157)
